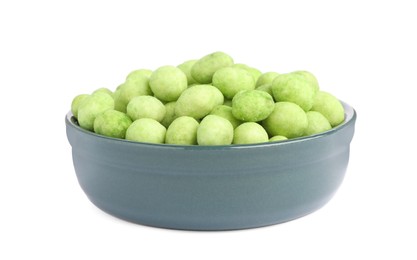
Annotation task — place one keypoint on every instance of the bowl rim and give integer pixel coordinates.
(349, 111)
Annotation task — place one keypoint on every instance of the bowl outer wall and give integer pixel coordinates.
(211, 187)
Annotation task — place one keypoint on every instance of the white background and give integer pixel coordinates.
(364, 52)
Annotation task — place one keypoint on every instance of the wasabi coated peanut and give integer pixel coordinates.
(138, 75)
(277, 138)
(254, 72)
(266, 78)
(117, 88)
(232, 80)
(182, 130)
(204, 69)
(250, 133)
(186, 68)
(91, 107)
(104, 90)
(287, 119)
(214, 130)
(317, 123)
(309, 77)
(198, 101)
(267, 88)
(330, 107)
(169, 114)
(167, 83)
(76, 103)
(133, 87)
(112, 123)
(226, 112)
(146, 130)
(293, 88)
(146, 107)
(118, 104)
(252, 105)
(129, 90)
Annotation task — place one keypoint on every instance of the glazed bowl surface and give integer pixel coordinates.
(211, 187)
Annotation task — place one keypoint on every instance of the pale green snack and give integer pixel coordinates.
(146, 107)
(266, 87)
(186, 68)
(226, 112)
(254, 72)
(287, 119)
(104, 90)
(292, 87)
(317, 123)
(252, 105)
(215, 130)
(309, 77)
(138, 75)
(146, 130)
(277, 138)
(266, 78)
(91, 107)
(117, 101)
(167, 83)
(76, 103)
(169, 114)
(198, 101)
(117, 88)
(204, 69)
(250, 133)
(182, 130)
(116, 95)
(133, 87)
(232, 80)
(112, 123)
(330, 107)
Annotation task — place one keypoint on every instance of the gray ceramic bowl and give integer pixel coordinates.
(211, 187)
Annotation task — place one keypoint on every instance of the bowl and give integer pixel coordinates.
(211, 187)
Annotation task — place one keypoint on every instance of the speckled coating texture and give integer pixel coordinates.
(203, 70)
(169, 114)
(266, 78)
(146, 107)
(266, 87)
(167, 83)
(226, 112)
(250, 133)
(186, 68)
(232, 80)
(211, 187)
(112, 123)
(253, 71)
(287, 119)
(136, 86)
(329, 106)
(76, 103)
(146, 130)
(198, 101)
(183, 130)
(293, 87)
(215, 130)
(91, 107)
(317, 123)
(252, 105)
